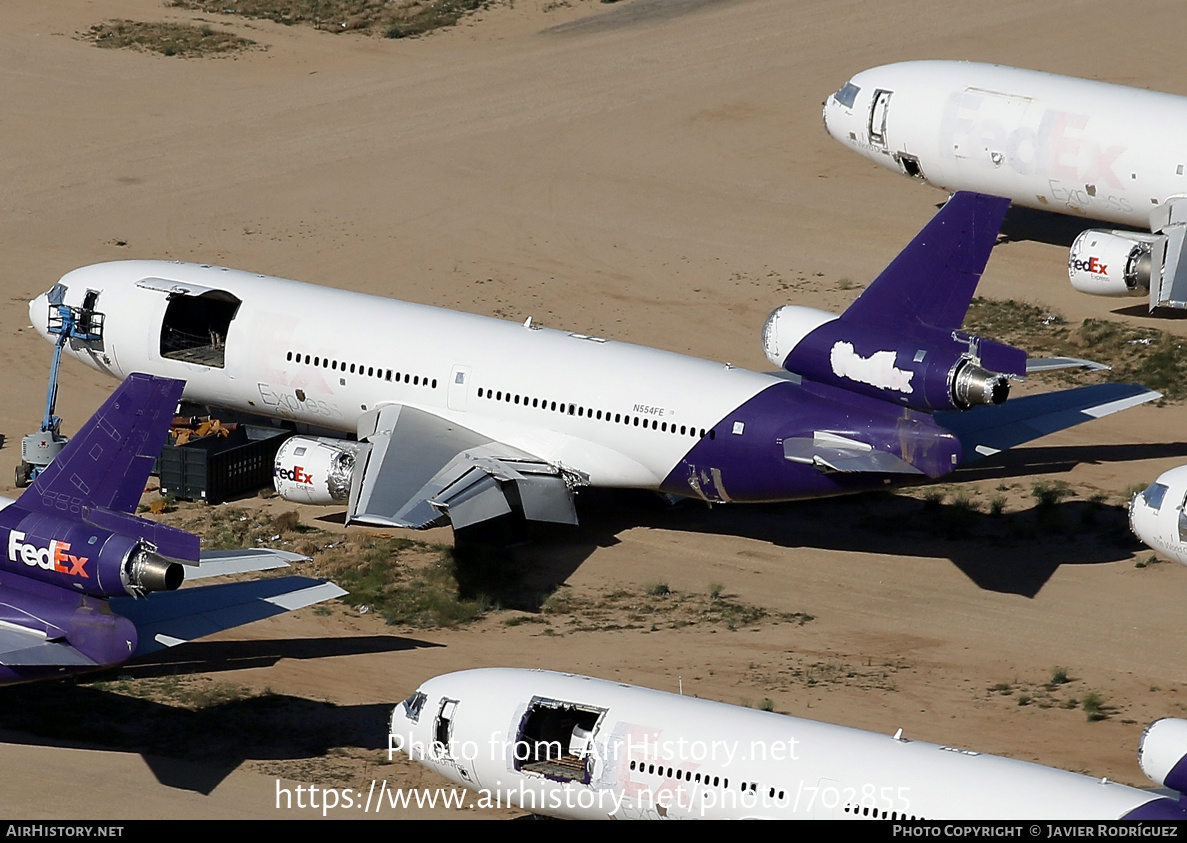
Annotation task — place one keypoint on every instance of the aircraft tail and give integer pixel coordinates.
(101, 473)
(933, 279)
(109, 460)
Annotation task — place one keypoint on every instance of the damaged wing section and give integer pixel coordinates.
(415, 469)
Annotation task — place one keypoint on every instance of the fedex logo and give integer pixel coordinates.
(297, 475)
(1092, 265)
(52, 558)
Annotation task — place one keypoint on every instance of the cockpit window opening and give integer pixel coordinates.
(1153, 495)
(847, 94)
(413, 705)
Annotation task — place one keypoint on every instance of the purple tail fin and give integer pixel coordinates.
(933, 279)
(107, 463)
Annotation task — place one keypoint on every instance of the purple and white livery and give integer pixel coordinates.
(570, 746)
(463, 418)
(77, 564)
(1054, 143)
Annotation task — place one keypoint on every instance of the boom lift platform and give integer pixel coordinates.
(68, 323)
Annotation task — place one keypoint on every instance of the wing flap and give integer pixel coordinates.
(417, 469)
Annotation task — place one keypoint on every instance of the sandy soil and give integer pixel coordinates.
(653, 171)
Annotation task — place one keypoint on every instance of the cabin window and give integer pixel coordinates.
(195, 328)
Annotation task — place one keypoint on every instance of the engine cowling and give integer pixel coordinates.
(91, 560)
(314, 470)
(925, 368)
(1162, 753)
(1111, 263)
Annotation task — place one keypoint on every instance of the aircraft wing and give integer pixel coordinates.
(983, 431)
(415, 469)
(167, 619)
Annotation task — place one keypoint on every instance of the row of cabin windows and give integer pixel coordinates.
(716, 781)
(599, 415)
(879, 814)
(360, 369)
(681, 775)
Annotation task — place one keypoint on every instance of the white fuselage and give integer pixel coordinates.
(1055, 143)
(1157, 514)
(619, 414)
(572, 746)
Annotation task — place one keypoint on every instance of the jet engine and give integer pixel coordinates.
(1162, 751)
(314, 470)
(1111, 263)
(926, 369)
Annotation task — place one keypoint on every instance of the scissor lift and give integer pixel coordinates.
(78, 323)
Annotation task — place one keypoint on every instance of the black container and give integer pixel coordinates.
(214, 468)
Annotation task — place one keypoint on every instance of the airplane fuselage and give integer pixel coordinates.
(1050, 142)
(611, 413)
(571, 746)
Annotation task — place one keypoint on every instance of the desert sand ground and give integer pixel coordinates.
(654, 171)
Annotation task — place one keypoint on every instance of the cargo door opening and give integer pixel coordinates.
(554, 740)
(195, 328)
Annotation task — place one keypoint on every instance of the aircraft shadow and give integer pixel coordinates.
(1012, 552)
(1142, 311)
(1048, 227)
(211, 656)
(189, 749)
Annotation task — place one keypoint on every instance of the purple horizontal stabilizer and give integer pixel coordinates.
(166, 619)
(107, 463)
(984, 431)
(933, 279)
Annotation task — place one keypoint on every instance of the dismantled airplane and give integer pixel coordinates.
(1157, 517)
(80, 570)
(1055, 143)
(570, 746)
(466, 418)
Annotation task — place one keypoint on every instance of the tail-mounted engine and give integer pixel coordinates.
(925, 368)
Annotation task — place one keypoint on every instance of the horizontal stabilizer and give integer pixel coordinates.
(217, 563)
(26, 648)
(170, 618)
(1051, 364)
(983, 431)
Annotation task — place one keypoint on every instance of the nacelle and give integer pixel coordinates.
(315, 471)
(928, 369)
(89, 560)
(1162, 752)
(1111, 263)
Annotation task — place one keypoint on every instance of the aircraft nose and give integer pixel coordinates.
(39, 314)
